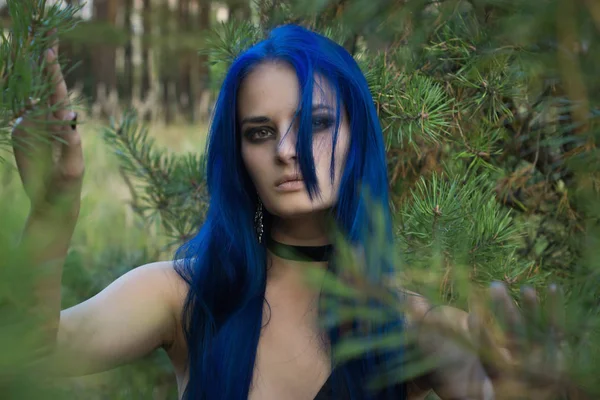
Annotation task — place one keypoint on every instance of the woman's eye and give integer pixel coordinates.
(258, 134)
(321, 123)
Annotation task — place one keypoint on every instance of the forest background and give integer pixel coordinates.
(489, 109)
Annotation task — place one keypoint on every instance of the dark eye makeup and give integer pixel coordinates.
(258, 133)
(320, 122)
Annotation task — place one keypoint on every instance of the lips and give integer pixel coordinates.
(288, 178)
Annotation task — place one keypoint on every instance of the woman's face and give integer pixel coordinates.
(267, 102)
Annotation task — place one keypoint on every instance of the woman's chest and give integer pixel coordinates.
(292, 358)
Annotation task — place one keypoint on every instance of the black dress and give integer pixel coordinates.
(397, 392)
(326, 391)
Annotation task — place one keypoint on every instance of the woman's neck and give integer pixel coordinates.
(302, 231)
(306, 230)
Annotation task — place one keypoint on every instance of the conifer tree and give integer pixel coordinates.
(489, 111)
(490, 116)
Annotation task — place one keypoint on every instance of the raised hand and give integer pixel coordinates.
(48, 150)
(528, 361)
(511, 354)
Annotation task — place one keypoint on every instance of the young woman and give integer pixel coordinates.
(293, 139)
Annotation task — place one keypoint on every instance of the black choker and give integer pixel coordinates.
(299, 253)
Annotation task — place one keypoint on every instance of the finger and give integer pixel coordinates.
(491, 359)
(532, 314)
(29, 141)
(555, 313)
(54, 42)
(556, 310)
(33, 153)
(71, 157)
(509, 317)
(59, 99)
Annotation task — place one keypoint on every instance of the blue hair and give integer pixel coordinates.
(224, 264)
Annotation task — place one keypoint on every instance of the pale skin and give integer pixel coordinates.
(141, 311)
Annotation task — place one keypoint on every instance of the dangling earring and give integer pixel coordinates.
(258, 220)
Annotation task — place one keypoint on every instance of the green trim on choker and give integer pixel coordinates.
(299, 253)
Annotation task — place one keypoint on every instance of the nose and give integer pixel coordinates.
(286, 148)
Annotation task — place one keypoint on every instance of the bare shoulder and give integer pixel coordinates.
(172, 285)
(173, 289)
(134, 315)
(160, 280)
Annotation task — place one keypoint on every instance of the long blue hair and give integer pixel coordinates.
(224, 264)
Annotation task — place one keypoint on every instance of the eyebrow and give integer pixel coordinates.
(263, 119)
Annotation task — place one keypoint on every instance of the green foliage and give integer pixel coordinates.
(225, 43)
(485, 132)
(485, 149)
(22, 83)
(109, 240)
(490, 115)
(456, 226)
(164, 186)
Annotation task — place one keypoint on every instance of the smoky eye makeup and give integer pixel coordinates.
(322, 122)
(257, 133)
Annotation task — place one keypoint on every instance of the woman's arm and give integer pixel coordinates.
(136, 314)
(131, 317)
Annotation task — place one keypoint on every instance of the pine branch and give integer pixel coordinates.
(25, 88)
(164, 185)
(475, 124)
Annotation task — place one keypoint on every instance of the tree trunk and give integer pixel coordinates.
(145, 84)
(68, 51)
(239, 10)
(202, 84)
(104, 59)
(184, 80)
(167, 57)
(73, 51)
(128, 72)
